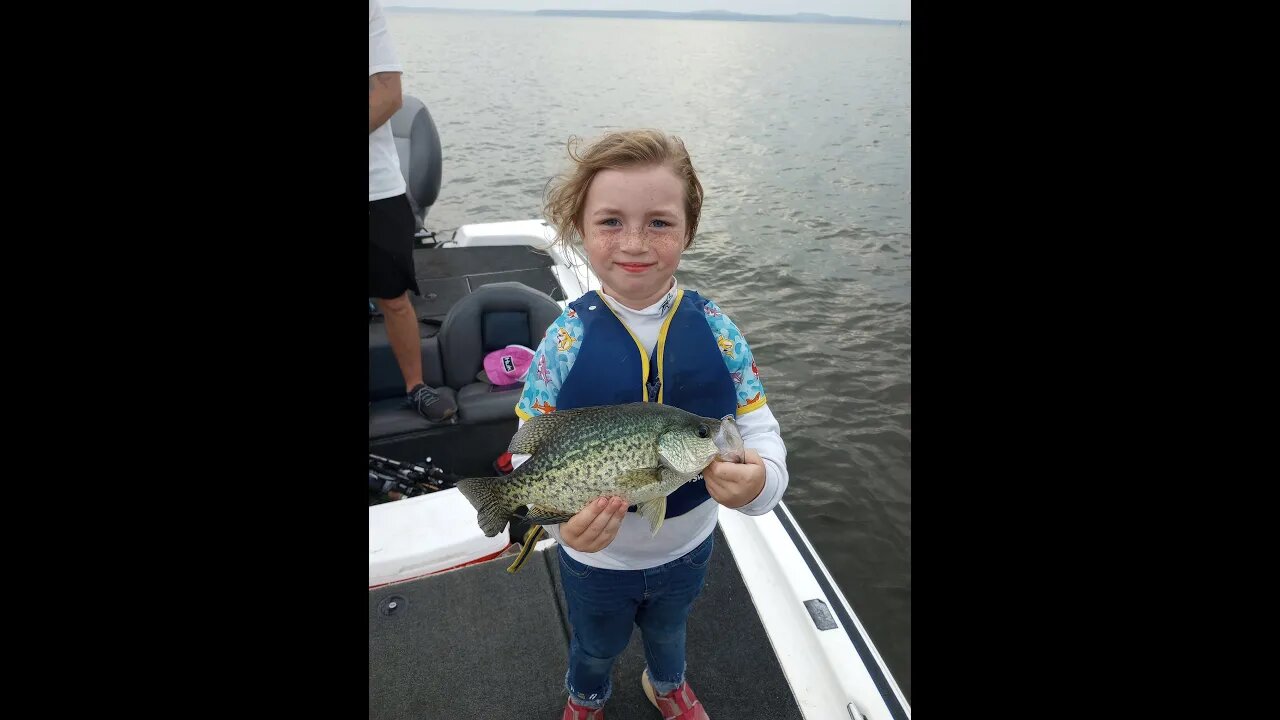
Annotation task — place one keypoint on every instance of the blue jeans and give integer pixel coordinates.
(603, 604)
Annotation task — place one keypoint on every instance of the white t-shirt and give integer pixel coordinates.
(385, 179)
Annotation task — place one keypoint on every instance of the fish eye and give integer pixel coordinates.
(702, 431)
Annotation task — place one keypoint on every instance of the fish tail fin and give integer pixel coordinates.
(493, 508)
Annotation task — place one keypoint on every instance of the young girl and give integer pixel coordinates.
(632, 200)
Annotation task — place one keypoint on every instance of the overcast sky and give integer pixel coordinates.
(882, 9)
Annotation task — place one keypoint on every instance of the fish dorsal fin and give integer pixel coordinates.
(537, 429)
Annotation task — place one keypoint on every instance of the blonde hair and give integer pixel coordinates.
(567, 193)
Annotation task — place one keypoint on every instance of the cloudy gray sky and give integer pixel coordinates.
(883, 9)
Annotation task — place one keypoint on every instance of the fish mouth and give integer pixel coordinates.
(728, 441)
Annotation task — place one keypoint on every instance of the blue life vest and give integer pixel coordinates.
(686, 370)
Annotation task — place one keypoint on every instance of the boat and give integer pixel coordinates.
(454, 633)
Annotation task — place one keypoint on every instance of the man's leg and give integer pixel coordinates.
(391, 279)
(402, 333)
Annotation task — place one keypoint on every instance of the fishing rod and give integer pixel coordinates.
(394, 487)
(388, 477)
(389, 465)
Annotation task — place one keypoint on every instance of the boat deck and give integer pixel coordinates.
(447, 274)
(482, 643)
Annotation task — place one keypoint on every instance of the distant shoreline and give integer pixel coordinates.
(722, 15)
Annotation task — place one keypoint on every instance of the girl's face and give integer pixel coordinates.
(633, 229)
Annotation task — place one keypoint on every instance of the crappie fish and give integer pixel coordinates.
(640, 452)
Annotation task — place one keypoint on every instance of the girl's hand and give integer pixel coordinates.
(595, 526)
(735, 484)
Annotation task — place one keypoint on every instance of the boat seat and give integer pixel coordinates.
(418, 146)
(388, 414)
(490, 318)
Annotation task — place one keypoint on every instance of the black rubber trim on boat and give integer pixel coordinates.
(869, 660)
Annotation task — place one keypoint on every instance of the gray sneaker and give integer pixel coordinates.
(430, 404)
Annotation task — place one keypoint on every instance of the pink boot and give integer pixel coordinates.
(574, 711)
(679, 704)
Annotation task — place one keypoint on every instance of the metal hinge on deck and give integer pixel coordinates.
(821, 616)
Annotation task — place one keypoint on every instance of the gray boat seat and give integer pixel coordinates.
(418, 145)
(490, 318)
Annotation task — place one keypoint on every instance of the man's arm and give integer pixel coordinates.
(384, 98)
